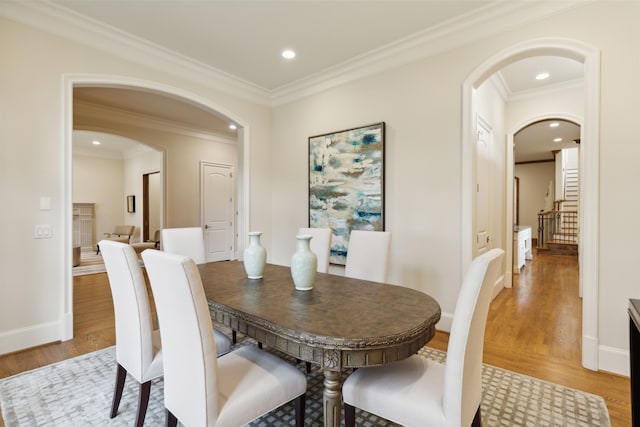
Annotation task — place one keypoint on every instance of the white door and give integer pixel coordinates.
(217, 211)
(483, 162)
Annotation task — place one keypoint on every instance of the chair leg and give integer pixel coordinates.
(349, 415)
(259, 345)
(121, 375)
(300, 408)
(308, 366)
(143, 402)
(477, 420)
(172, 421)
(234, 337)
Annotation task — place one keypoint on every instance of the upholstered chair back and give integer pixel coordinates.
(187, 241)
(463, 370)
(368, 255)
(134, 324)
(191, 388)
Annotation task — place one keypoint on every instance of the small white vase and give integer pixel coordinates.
(255, 256)
(304, 264)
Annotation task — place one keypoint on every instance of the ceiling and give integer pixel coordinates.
(536, 142)
(245, 39)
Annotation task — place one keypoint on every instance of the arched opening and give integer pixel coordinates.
(116, 82)
(589, 198)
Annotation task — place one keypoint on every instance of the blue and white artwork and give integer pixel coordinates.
(346, 184)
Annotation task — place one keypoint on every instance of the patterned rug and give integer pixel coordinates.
(78, 392)
(90, 263)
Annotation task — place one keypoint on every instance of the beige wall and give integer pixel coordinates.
(101, 181)
(421, 104)
(534, 182)
(34, 302)
(136, 164)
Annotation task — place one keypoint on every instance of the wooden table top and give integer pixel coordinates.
(339, 312)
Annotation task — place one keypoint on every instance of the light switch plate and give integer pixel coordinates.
(45, 203)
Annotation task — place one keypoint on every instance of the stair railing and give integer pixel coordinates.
(557, 226)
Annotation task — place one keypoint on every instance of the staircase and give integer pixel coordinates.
(558, 229)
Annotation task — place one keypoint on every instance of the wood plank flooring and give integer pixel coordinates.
(533, 328)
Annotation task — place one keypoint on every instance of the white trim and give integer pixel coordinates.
(546, 90)
(69, 81)
(491, 19)
(589, 161)
(19, 339)
(65, 23)
(614, 360)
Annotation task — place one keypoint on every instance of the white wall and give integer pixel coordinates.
(421, 104)
(136, 164)
(100, 181)
(534, 183)
(35, 306)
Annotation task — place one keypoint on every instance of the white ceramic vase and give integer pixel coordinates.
(304, 264)
(255, 256)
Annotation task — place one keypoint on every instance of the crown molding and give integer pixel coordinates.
(494, 18)
(498, 16)
(501, 86)
(70, 25)
(546, 90)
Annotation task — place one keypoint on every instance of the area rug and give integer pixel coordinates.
(78, 392)
(90, 263)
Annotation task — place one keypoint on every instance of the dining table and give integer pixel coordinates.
(340, 324)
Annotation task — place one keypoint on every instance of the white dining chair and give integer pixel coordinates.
(187, 241)
(138, 346)
(200, 390)
(320, 245)
(368, 255)
(421, 392)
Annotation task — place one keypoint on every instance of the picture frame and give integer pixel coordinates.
(131, 204)
(346, 184)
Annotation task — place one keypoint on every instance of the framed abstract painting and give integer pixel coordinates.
(346, 184)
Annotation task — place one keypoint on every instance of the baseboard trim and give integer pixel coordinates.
(446, 319)
(20, 339)
(614, 360)
(590, 352)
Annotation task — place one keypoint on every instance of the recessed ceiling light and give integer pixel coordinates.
(288, 54)
(542, 76)
(554, 125)
(96, 142)
(557, 139)
(233, 127)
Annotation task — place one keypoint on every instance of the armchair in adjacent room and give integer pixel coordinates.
(121, 233)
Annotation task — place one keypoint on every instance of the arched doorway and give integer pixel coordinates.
(77, 81)
(589, 160)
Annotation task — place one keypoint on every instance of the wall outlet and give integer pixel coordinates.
(43, 231)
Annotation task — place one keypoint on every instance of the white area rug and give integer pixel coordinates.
(78, 392)
(90, 263)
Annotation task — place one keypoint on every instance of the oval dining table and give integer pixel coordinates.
(341, 323)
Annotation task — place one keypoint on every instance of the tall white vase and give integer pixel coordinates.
(255, 256)
(304, 264)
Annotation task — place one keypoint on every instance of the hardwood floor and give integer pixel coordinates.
(533, 328)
